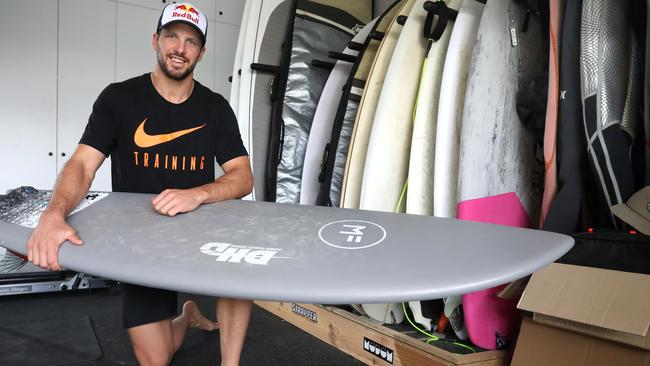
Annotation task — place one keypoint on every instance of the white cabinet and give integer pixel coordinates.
(208, 7)
(134, 54)
(224, 44)
(229, 11)
(86, 66)
(28, 94)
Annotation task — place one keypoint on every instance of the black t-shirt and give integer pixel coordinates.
(155, 144)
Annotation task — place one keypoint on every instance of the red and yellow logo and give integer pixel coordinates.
(185, 12)
(187, 8)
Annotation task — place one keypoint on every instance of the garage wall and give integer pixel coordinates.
(63, 53)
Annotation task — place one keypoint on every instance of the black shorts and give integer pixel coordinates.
(144, 305)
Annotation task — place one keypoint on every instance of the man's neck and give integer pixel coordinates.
(173, 91)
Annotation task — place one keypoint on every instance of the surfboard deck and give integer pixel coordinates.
(321, 126)
(355, 164)
(386, 166)
(282, 252)
(499, 176)
(450, 108)
(419, 198)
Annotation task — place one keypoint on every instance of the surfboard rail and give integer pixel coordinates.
(258, 245)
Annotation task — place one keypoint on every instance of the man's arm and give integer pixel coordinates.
(236, 182)
(72, 185)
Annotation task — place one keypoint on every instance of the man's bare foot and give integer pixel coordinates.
(195, 319)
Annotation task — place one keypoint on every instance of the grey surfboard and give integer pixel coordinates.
(283, 252)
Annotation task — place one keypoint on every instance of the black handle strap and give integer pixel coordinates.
(342, 57)
(444, 14)
(322, 64)
(270, 69)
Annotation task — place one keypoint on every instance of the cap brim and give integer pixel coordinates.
(179, 21)
(625, 213)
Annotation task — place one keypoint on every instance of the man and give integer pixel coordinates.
(162, 131)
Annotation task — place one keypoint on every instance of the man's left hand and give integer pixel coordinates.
(174, 201)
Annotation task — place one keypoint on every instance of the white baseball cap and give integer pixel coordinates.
(184, 13)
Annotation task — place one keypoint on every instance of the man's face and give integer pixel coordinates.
(178, 49)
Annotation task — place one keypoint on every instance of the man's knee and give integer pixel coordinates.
(148, 356)
(153, 343)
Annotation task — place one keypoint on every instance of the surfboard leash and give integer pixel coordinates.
(433, 338)
(402, 196)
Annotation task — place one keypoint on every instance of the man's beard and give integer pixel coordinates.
(169, 73)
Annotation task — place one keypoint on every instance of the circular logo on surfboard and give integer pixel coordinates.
(352, 234)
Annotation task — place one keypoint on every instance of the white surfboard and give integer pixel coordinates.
(450, 108)
(500, 179)
(419, 197)
(321, 127)
(351, 190)
(386, 166)
(386, 163)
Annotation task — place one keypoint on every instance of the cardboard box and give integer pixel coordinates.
(543, 345)
(606, 304)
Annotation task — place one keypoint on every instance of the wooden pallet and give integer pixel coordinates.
(371, 342)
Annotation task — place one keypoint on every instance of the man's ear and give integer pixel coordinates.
(154, 41)
(202, 53)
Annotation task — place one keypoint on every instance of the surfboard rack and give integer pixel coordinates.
(340, 56)
(371, 342)
(377, 36)
(67, 282)
(355, 46)
(322, 64)
(271, 69)
(444, 14)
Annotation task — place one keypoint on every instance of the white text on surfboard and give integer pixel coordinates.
(226, 252)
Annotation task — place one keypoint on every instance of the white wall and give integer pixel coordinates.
(28, 93)
(60, 54)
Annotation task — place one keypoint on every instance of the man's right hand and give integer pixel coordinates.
(43, 245)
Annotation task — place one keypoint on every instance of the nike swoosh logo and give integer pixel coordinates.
(142, 139)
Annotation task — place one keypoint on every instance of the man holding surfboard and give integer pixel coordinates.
(163, 131)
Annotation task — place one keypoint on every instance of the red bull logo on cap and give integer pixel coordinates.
(185, 12)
